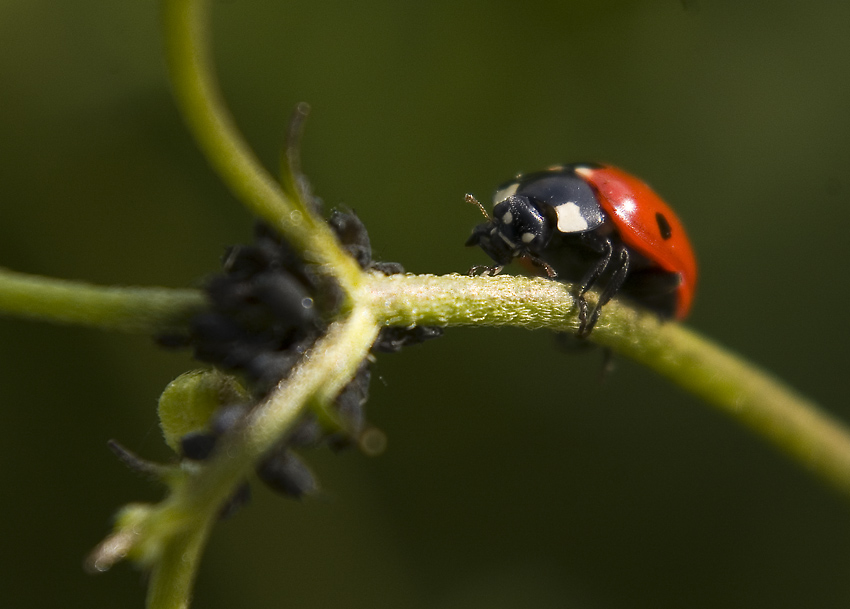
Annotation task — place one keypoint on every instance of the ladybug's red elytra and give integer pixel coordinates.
(592, 223)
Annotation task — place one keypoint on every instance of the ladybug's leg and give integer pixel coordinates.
(543, 264)
(607, 250)
(620, 268)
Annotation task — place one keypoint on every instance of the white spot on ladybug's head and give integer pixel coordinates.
(570, 218)
(527, 237)
(504, 193)
(507, 218)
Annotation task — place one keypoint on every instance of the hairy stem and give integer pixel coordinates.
(736, 386)
(739, 388)
(325, 370)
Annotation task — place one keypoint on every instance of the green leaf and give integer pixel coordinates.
(189, 401)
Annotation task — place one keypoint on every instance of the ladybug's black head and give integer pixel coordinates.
(518, 227)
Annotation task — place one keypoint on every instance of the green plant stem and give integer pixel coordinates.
(173, 576)
(328, 366)
(128, 309)
(189, 512)
(196, 92)
(749, 394)
(736, 386)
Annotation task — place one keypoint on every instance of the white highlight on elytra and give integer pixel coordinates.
(585, 172)
(570, 219)
(506, 192)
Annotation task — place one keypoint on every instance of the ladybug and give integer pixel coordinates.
(592, 224)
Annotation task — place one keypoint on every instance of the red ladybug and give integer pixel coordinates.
(590, 223)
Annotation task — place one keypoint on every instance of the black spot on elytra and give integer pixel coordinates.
(663, 226)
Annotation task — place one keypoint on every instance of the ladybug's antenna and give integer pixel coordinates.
(470, 199)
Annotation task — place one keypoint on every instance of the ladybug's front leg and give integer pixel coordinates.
(550, 272)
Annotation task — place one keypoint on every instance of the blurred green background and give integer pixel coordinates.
(513, 477)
